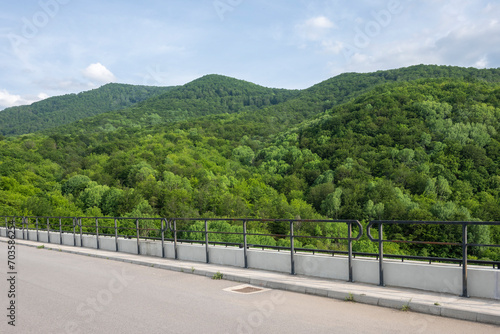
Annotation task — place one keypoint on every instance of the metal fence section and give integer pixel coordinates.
(463, 243)
(199, 231)
(290, 235)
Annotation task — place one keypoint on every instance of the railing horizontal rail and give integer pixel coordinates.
(464, 242)
(171, 229)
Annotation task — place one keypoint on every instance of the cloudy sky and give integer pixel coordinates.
(55, 47)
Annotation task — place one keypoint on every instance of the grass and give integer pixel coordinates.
(349, 298)
(192, 270)
(218, 275)
(406, 307)
(40, 247)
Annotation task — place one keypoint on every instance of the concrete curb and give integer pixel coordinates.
(287, 285)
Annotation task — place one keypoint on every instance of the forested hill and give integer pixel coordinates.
(344, 87)
(256, 106)
(210, 95)
(424, 150)
(413, 144)
(68, 108)
(214, 94)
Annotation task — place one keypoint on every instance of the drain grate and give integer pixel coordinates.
(245, 289)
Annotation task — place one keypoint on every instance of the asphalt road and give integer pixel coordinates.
(65, 293)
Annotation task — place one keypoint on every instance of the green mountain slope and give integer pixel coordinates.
(342, 88)
(213, 94)
(65, 109)
(375, 148)
(207, 96)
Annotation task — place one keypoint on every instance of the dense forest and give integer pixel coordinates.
(418, 143)
(55, 111)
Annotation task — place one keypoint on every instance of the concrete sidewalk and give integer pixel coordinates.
(446, 305)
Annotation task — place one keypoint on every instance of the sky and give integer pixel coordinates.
(55, 47)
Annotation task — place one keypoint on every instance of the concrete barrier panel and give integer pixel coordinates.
(68, 239)
(322, 266)
(19, 234)
(229, 256)
(89, 241)
(439, 278)
(169, 251)
(54, 237)
(127, 246)
(194, 253)
(269, 260)
(365, 271)
(43, 237)
(107, 243)
(483, 282)
(32, 235)
(150, 248)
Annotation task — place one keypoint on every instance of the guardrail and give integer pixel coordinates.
(168, 231)
(464, 244)
(171, 229)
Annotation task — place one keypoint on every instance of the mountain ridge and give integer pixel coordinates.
(64, 109)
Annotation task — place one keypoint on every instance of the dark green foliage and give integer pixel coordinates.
(421, 143)
(66, 109)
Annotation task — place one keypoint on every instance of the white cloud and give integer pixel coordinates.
(320, 22)
(315, 28)
(43, 96)
(8, 100)
(98, 72)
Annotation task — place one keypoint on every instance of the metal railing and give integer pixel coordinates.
(463, 243)
(168, 231)
(175, 231)
(290, 235)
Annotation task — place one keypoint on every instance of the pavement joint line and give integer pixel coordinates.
(414, 300)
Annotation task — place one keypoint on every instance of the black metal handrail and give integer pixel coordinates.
(464, 243)
(168, 231)
(245, 234)
(171, 225)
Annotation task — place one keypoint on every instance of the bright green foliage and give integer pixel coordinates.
(420, 143)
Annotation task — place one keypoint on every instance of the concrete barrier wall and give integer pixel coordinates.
(443, 278)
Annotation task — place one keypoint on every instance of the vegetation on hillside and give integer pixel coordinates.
(395, 145)
(56, 111)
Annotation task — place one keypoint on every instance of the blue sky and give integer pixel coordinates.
(55, 47)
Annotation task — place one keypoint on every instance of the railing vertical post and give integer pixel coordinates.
(36, 229)
(60, 231)
(97, 232)
(81, 232)
(162, 238)
(74, 231)
(292, 250)
(349, 240)
(137, 232)
(48, 230)
(6, 227)
(175, 239)
(464, 267)
(381, 253)
(116, 236)
(245, 255)
(206, 242)
(23, 222)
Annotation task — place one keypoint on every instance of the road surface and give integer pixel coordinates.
(58, 292)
